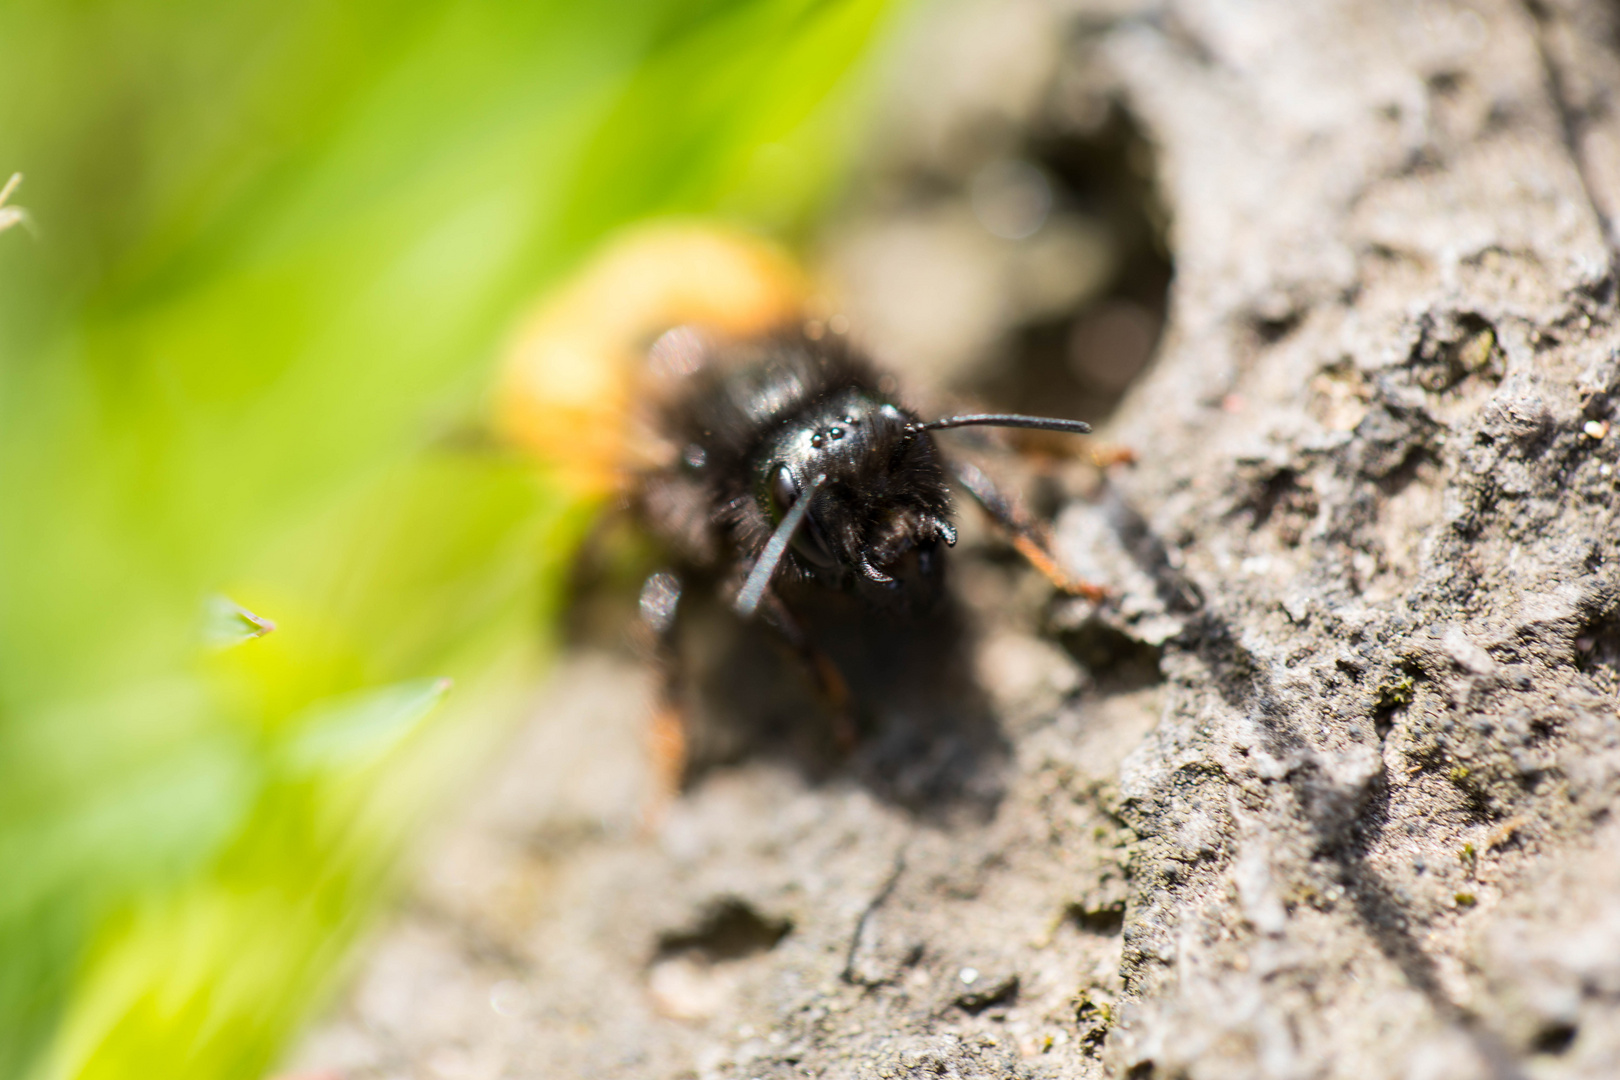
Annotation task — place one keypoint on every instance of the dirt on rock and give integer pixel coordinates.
(1325, 789)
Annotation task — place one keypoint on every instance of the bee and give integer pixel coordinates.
(770, 459)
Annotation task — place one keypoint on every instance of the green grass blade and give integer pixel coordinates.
(277, 248)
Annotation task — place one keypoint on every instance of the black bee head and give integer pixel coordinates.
(878, 513)
(850, 485)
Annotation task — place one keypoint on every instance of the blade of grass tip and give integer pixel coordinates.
(226, 623)
(11, 215)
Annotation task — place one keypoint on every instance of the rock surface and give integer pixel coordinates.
(1326, 789)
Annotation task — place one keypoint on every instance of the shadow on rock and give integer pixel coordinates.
(925, 735)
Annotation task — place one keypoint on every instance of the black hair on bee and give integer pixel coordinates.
(807, 470)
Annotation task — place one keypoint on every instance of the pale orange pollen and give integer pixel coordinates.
(569, 378)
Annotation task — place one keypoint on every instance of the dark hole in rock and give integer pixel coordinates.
(1106, 921)
(1597, 654)
(998, 992)
(731, 929)
(1418, 463)
(1395, 692)
(1446, 82)
(1595, 558)
(1384, 722)
(1271, 329)
(1282, 498)
(1080, 362)
(1454, 348)
(1117, 661)
(1554, 1038)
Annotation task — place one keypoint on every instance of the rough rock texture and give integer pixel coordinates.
(1326, 789)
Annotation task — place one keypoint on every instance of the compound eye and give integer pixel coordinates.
(784, 490)
(809, 541)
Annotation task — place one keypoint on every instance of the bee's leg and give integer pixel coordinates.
(828, 679)
(1028, 536)
(1106, 455)
(667, 729)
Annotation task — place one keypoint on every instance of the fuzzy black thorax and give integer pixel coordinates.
(763, 423)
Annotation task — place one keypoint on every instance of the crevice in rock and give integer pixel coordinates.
(853, 972)
(731, 929)
(1283, 499)
(1120, 662)
(1105, 921)
(1597, 653)
(1175, 590)
(1081, 361)
(1554, 1039)
(1242, 681)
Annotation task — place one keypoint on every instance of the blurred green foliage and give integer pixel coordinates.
(275, 247)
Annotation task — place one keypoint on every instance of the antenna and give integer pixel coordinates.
(1014, 420)
(759, 578)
